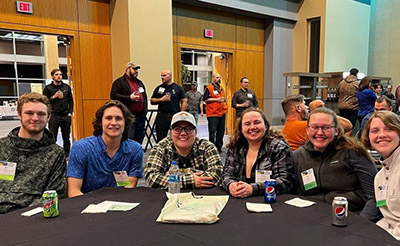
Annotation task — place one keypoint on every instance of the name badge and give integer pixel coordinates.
(121, 177)
(381, 194)
(249, 95)
(308, 178)
(263, 175)
(7, 170)
(161, 90)
(215, 92)
(141, 90)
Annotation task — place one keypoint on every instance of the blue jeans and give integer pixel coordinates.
(137, 131)
(196, 117)
(216, 130)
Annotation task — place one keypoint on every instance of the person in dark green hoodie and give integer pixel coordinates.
(30, 160)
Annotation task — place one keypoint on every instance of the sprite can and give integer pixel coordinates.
(50, 204)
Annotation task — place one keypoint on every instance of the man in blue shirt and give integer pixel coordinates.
(107, 159)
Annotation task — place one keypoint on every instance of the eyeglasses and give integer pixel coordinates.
(315, 128)
(188, 129)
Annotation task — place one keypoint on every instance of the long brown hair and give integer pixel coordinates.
(364, 84)
(238, 139)
(342, 141)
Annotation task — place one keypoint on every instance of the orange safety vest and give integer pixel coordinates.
(216, 109)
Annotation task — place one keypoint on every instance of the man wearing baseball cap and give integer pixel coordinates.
(130, 90)
(198, 159)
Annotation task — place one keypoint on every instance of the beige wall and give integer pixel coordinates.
(148, 41)
(384, 50)
(308, 9)
(119, 30)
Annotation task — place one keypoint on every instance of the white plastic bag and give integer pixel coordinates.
(190, 208)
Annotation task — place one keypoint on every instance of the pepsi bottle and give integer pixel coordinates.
(270, 191)
(174, 185)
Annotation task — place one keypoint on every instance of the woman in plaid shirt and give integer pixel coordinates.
(256, 154)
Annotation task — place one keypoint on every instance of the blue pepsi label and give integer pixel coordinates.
(270, 191)
(173, 178)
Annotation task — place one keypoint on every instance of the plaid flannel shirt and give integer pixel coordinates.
(274, 155)
(204, 156)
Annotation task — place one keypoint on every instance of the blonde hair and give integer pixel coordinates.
(33, 97)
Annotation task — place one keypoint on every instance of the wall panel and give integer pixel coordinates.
(62, 15)
(97, 79)
(90, 52)
(254, 35)
(242, 37)
(89, 109)
(223, 25)
(254, 71)
(240, 33)
(94, 16)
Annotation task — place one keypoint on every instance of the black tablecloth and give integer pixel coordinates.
(287, 225)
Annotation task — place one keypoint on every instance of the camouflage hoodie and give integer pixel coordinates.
(347, 93)
(40, 166)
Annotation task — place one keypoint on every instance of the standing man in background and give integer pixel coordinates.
(216, 107)
(171, 99)
(347, 97)
(62, 106)
(195, 102)
(130, 90)
(244, 98)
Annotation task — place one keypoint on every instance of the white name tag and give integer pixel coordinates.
(215, 92)
(121, 177)
(381, 194)
(308, 177)
(263, 175)
(249, 95)
(141, 90)
(161, 90)
(7, 170)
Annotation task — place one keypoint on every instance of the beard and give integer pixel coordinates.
(133, 75)
(304, 115)
(33, 130)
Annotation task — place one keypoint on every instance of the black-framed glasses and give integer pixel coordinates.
(188, 129)
(315, 128)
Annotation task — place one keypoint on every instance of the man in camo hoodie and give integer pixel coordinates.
(30, 160)
(347, 96)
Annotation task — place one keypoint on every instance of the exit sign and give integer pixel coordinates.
(208, 33)
(24, 7)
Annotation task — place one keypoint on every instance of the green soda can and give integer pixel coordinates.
(50, 204)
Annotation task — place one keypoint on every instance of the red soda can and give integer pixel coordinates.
(340, 207)
(270, 191)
